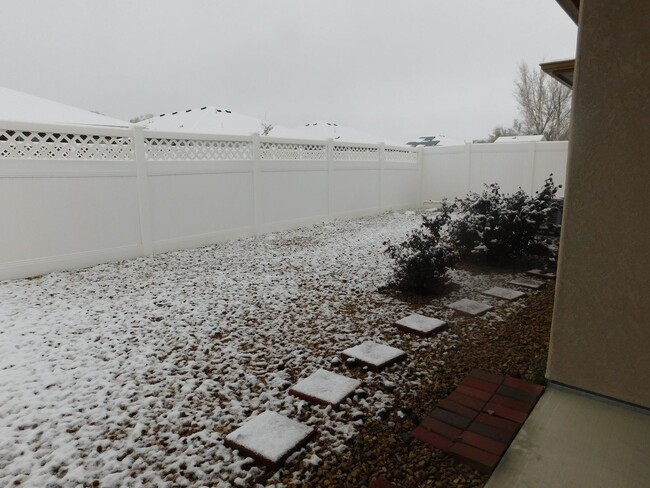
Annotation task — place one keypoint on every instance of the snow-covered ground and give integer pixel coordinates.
(132, 373)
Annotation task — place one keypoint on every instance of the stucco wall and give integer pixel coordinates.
(600, 339)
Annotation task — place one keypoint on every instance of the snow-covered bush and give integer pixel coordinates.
(422, 261)
(492, 226)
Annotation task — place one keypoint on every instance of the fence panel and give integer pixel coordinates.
(68, 198)
(450, 172)
(75, 196)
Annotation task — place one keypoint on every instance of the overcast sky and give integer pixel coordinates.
(399, 69)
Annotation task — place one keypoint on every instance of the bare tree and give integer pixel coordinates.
(266, 128)
(544, 104)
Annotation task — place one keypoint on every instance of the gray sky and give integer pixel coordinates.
(399, 69)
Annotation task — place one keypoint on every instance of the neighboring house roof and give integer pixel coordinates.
(210, 120)
(561, 70)
(438, 141)
(322, 130)
(16, 106)
(507, 139)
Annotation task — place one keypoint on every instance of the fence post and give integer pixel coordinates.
(144, 206)
(330, 179)
(468, 155)
(532, 147)
(257, 184)
(420, 161)
(382, 168)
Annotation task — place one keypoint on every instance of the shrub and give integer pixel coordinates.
(492, 226)
(422, 261)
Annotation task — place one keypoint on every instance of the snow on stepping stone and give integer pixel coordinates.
(375, 356)
(325, 388)
(504, 293)
(470, 307)
(269, 438)
(541, 273)
(533, 284)
(420, 325)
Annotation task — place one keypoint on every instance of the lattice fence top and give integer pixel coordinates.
(292, 152)
(401, 155)
(197, 150)
(355, 153)
(21, 144)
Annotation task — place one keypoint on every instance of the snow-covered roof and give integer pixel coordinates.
(211, 120)
(16, 106)
(503, 139)
(438, 141)
(322, 130)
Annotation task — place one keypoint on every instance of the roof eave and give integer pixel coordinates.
(562, 71)
(571, 7)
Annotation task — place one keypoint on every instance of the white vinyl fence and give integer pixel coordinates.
(449, 172)
(74, 196)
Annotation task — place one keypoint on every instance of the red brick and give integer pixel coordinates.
(474, 393)
(485, 443)
(431, 438)
(512, 403)
(450, 418)
(382, 482)
(441, 428)
(479, 384)
(504, 436)
(505, 412)
(467, 401)
(524, 386)
(482, 460)
(522, 396)
(454, 407)
(486, 376)
(498, 422)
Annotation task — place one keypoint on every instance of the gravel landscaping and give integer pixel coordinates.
(133, 373)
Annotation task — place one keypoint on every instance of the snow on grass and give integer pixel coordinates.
(133, 373)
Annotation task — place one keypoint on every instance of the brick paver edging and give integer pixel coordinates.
(477, 422)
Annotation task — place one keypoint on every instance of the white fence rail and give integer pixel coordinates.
(73, 196)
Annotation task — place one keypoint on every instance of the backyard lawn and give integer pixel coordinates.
(133, 373)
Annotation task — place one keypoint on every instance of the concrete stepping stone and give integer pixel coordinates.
(420, 325)
(470, 307)
(269, 438)
(325, 388)
(504, 293)
(526, 283)
(375, 356)
(541, 273)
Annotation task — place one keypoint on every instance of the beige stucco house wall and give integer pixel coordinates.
(600, 338)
